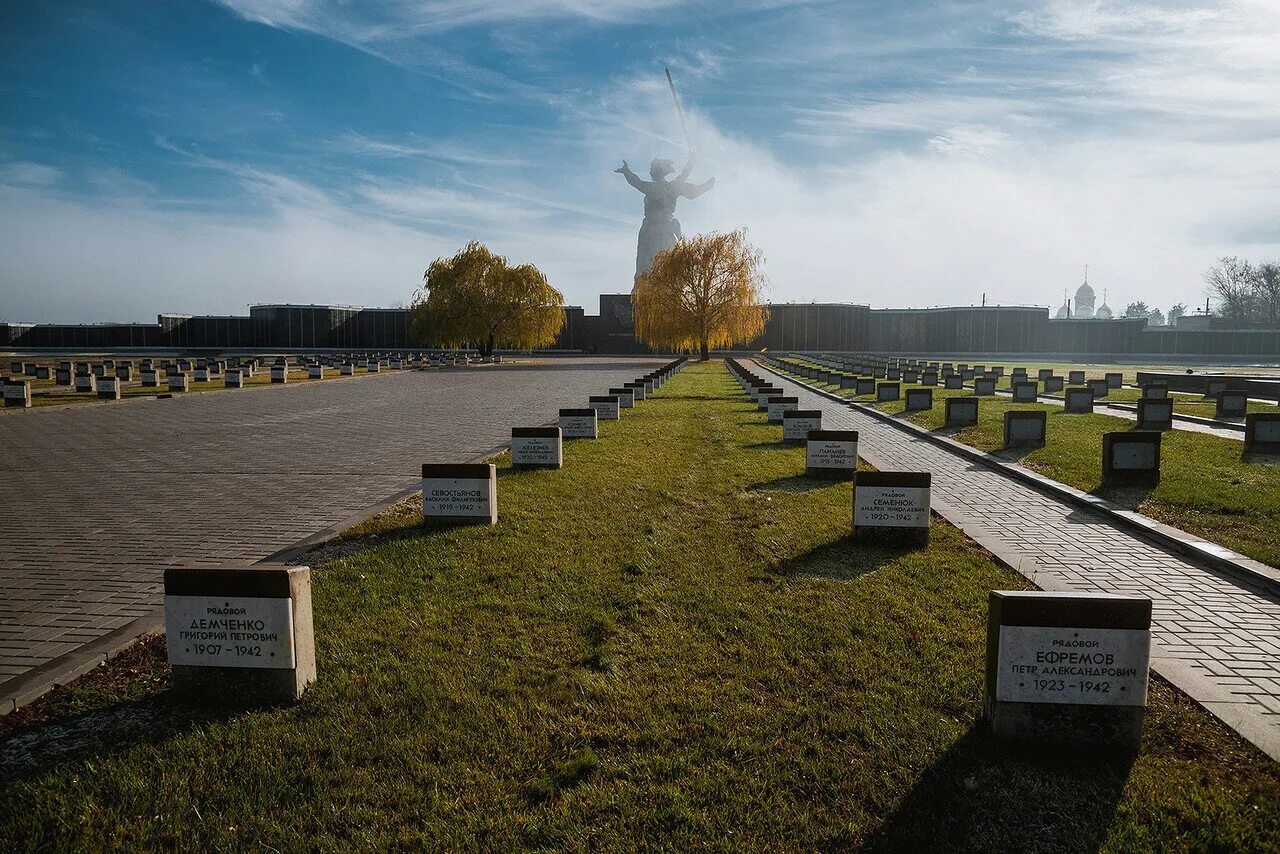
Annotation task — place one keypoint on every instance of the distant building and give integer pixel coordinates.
(1104, 310)
(1085, 299)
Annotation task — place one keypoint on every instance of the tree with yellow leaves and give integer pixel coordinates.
(477, 298)
(705, 291)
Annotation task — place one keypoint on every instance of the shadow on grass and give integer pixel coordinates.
(845, 559)
(111, 728)
(792, 483)
(777, 445)
(1128, 497)
(984, 795)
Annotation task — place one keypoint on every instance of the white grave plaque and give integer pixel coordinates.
(1133, 456)
(1079, 666)
(218, 631)
(831, 454)
(891, 506)
(453, 496)
(797, 429)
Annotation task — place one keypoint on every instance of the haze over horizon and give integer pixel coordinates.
(196, 157)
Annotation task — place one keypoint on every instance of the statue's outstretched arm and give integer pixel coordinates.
(692, 191)
(632, 178)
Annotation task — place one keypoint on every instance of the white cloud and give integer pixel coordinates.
(24, 172)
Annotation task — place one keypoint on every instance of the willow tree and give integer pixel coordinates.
(705, 291)
(476, 298)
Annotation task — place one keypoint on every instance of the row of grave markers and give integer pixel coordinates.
(246, 634)
(104, 378)
(1061, 668)
(1129, 457)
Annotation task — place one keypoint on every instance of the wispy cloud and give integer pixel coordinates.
(30, 174)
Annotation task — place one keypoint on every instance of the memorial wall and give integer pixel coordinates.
(831, 327)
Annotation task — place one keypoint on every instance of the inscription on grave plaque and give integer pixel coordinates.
(1133, 456)
(829, 452)
(578, 423)
(897, 500)
(606, 406)
(1095, 667)
(464, 497)
(233, 631)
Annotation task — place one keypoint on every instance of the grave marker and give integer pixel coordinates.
(179, 381)
(1025, 392)
(831, 454)
(888, 391)
(1067, 668)
(961, 411)
(954, 381)
(892, 504)
(460, 493)
(578, 423)
(1156, 390)
(1079, 401)
(1053, 385)
(1100, 388)
(536, 448)
(919, 399)
(1114, 379)
(1213, 388)
(865, 385)
(1075, 377)
(1155, 413)
(797, 423)
(242, 634)
(108, 388)
(1231, 404)
(232, 378)
(625, 398)
(779, 405)
(1262, 433)
(1131, 458)
(17, 392)
(279, 373)
(1024, 428)
(150, 377)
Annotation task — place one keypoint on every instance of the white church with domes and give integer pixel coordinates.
(1084, 304)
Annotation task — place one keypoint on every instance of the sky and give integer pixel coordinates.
(196, 157)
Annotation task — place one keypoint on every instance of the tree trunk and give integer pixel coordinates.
(704, 351)
(489, 347)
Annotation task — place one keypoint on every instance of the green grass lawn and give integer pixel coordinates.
(670, 643)
(1206, 486)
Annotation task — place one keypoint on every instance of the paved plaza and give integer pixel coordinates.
(98, 498)
(1215, 637)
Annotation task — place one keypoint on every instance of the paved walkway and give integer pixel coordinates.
(1216, 638)
(95, 499)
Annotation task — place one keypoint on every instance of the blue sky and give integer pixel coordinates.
(191, 156)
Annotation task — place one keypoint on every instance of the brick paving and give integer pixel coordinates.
(97, 498)
(1215, 637)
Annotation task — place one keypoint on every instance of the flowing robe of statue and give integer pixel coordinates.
(660, 227)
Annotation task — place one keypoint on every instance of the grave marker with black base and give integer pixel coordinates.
(919, 399)
(625, 399)
(1024, 428)
(1067, 669)
(954, 381)
(1262, 433)
(460, 493)
(179, 382)
(17, 393)
(888, 391)
(1079, 401)
(892, 505)
(865, 385)
(1075, 377)
(150, 377)
(240, 634)
(797, 423)
(1114, 380)
(536, 448)
(831, 454)
(1025, 392)
(1052, 385)
(961, 411)
(1155, 413)
(1100, 388)
(1155, 390)
(1231, 404)
(108, 388)
(232, 378)
(1131, 458)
